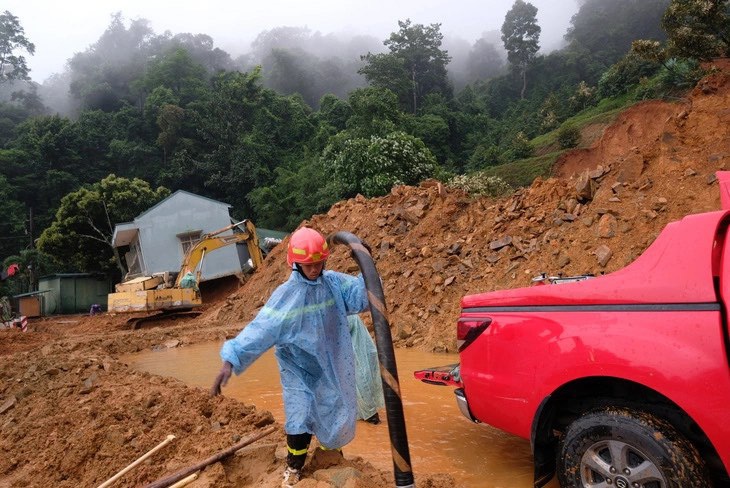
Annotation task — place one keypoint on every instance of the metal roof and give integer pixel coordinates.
(180, 191)
(31, 293)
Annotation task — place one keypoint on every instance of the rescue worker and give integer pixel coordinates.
(306, 320)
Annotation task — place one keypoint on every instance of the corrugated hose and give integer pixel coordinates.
(402, 470)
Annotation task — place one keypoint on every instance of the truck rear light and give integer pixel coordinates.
(467, 330)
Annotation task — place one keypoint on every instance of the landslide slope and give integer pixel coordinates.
(655, 164)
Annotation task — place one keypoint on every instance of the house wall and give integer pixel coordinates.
(73, 293)
(183, 213)
(30, 306)
(52, 299)
(87, 291)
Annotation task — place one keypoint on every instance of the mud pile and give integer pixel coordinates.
(655, 164)
(73, 414)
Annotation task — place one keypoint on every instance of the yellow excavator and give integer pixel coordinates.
(168, 296)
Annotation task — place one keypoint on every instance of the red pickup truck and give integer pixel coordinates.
(618, 380)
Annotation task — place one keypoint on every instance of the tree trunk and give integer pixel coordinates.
(108, 240)
(118, 259)
(524, 83)
(413, 79)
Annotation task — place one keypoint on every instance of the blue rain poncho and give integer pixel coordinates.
(307, 322)
(368, 384)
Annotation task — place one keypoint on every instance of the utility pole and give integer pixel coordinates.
(30, 227)
(31, 281)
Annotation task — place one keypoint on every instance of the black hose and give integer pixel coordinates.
(386, 355)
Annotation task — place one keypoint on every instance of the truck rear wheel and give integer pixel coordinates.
(626, 448)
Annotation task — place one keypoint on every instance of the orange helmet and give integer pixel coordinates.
(306, 246)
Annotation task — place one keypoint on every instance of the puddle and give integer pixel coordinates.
(441, 440)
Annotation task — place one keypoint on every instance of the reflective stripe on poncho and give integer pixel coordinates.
(307, 322)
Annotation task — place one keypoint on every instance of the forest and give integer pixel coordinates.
(286, 131)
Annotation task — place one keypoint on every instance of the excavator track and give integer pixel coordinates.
(137, 322)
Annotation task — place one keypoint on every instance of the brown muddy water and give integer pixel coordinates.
(440, 439)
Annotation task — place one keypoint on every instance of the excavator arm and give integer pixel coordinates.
(193, 260)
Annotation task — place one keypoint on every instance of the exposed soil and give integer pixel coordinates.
(71, 413)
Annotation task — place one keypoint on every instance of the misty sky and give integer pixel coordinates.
(61, 28)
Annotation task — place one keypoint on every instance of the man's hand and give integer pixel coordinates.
(221, 379)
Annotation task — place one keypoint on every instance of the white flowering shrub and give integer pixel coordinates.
(480, 184)
(373, 166)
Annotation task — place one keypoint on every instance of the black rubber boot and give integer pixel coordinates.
(375, 419)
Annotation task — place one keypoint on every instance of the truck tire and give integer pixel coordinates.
(626, 448)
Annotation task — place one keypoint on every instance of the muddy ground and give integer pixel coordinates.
(73, 414)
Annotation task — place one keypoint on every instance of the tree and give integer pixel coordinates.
(484, 61)
(177, 71)
(627, 72)
(549, 113)
(170, 121)
(295, 60)
(373, 166)
(12, 39)
(521, 35)
(290, 71)
(698, 29)
(199, 46)
(33, 264)
(283, 37)
(81, 234)
(521, 147)
(374, 112)
(415, 61)
(245, 131)
(387, 71)
(102, 75)
(607, 29)
(433, 130)
(292, 197)
(11, 115)
(44, 164)
(12, 227)
(334, 112)
(30, 100)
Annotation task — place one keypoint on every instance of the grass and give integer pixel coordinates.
(524, 171)
(604, 113)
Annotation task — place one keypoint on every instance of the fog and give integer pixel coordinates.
(61, 29)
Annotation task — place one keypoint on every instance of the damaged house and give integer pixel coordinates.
(158, 239)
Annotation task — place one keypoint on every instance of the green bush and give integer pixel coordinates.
(676, 76)
(521, 147)
(568, 136)
(484, 156)
(625, 75)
